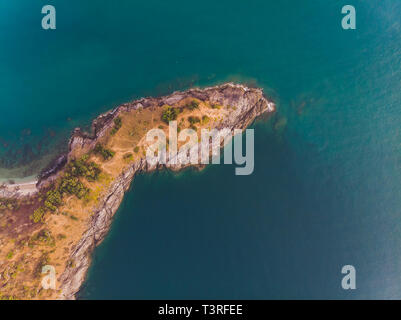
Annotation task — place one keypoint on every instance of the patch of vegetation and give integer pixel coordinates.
(169, 114)
(69, 184)
(104, 152)
(117, 125)
(83, 168)
(94, 195)
(128, 156)
(192, 120)
(10, 204)
(44, 237)
(136, 149)
(205, 119)
(43, 260)
(215, 106)
(53, 200)
(61, 236)
(74, 218)
(38, 215)
(10, 254)
(192, 105)
(71, 263)
(73, 186)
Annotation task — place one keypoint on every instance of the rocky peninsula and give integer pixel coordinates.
(70, 209)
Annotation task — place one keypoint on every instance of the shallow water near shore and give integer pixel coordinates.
(326, 190)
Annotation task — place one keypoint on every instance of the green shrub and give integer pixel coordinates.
(193, 105)
(43, 260)
(10, 204)
(136, 149)
(83, 168)
(205, 119)
(37, 215)
(10, 254)
(72, 185)
(53, 200)
(128, 156)
(43, 236)
(105, 153)
(117, 125)
(192, 120)
(169, 114)
(61, 236)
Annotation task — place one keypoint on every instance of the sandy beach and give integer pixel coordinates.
(18, 189)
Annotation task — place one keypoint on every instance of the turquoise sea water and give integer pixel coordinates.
(326, 190)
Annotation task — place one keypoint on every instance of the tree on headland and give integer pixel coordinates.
(104, 152)
(117, 125)
(169, 114)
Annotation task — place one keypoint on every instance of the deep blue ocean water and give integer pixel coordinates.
(326, 190)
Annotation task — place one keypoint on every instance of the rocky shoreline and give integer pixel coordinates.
(249, 104)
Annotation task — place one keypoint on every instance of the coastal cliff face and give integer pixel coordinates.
(249, 103)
